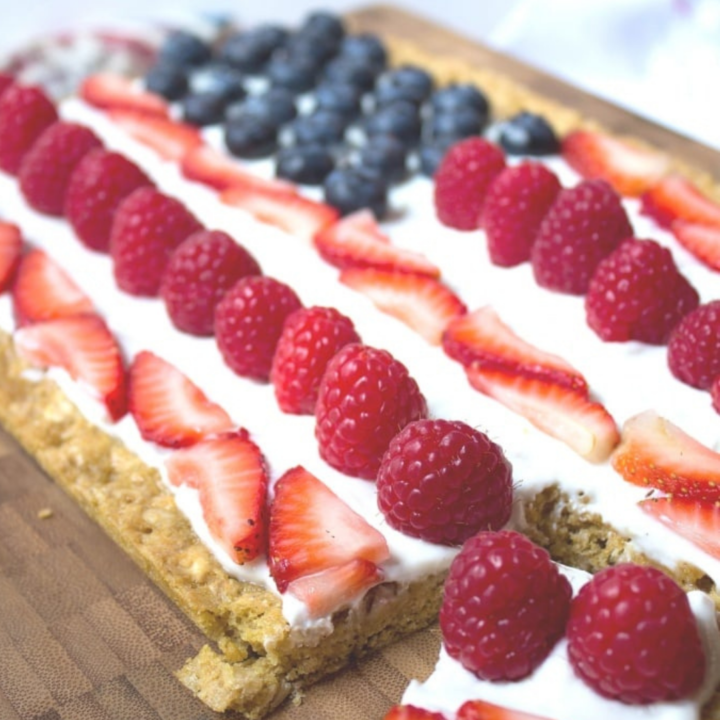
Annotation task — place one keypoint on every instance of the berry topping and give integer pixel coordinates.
(584, 225)
(529, 189)
(203, 108)
(350, 72)
(295, 73)
(694, 347)
(247, 52)
(443, 482)
(323, 25)
(221, 80)
(321, 127)
(184, 49)
(408, 82)
(309, 339)
(10, 250)
(400, 119)
(351, 189)
(366, 48)
(275, 107)
(528, 134)
(306, 164)
(482, 710)
(250, 137)
(169, 81)
(386, 156)
(248, 323)
(637, 293)
(452, 98)
(460, 124)
(432, 154)
(633, 637)
(462, 181)
(505, 606)
(339, 98)
(366, 397)
(115, 92)
(6, 80)
(676, 198)
(410, 712)
(146, 228)
(199, 273)
(703, 241)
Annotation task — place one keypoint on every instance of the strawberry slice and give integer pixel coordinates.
(168, 138)
(357, 241)
(168, 408)
(82, 345)
(482, 710)
(312, 530)
(655, 453)
(230, 473)
(284, 209)
(112, 92)
(10, 251)
(423, 303)
(565, 414)
(481, 337)
(410, 712)
(629, 169)
(334, 587)
(703, 241)
(44, 291)
(676, 198)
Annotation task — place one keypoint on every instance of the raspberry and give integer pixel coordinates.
(6, 80)
(146, 228)
(200, 271)
(45, 171)
(443, 482)
(310, 338)
(366, 397)
(505, 606)
(637, 293)
(632, 636)
(248, 323)
(463, 179)
(584, 225)
(516, 203)
(25, 111)
(694, 347)
(97, 185)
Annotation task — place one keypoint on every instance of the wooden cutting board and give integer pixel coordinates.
(85, 636)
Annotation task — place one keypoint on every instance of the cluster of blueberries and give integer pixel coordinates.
(300, 94)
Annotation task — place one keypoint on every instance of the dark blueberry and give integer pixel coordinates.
(245, 52)
(387, 156)
(167, 80)
(206, 108)
(322, 127)
(349, 189)
(406, 83)
(315, 50)
(400, 119)
(249, 137)
(350, 72)
(458, 124)
(184, 48)
(292, 73)
(457, 97)
(307, 164)
(528, 134)
(223, 80)
(325, 25)
(365, 48)
(340, 98)
(271, 37)
(431, 154)
(275, 106)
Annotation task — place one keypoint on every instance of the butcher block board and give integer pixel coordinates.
(85, 636)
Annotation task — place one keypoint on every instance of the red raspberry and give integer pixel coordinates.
(410, 712)
(146, 228)
(515, 205)
(25, 111)
(200, 271)
(248, 323)
(46, 168)
(463, 179)
(6, 80)
(97, 185)
(505, 606)
(584, 225)
(637, 293)
(694, 346)
(309, 339)
(632, 636)
(366, 397)
(443, 482)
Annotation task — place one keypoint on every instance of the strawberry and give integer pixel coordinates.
(481, 337)
(410, 712)
(567, 415)
(312, 530)
(655, 453)
(284, 209)
(113, 92)
(423, 303)
(357, 241)
(703, 241)
(82, 345)
(482, 710)
(677, 198)
(44, 291)
(10, 250)
(230, 474)
(698, 522)
(631, 170)
(168, 408)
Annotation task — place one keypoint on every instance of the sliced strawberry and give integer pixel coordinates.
(481, 337)
(482, 710)
(629, 169)
(423, 303)
(312, 529)
(703, 241)
(44, 291)
(357, 241)
(567, 415)
(336, 586)
(676, 198)
(284, 209)
(115, 92)
(230, 473)
(410, 712)
(168, 138)
(10, 251)
(82, 345)
(170, 409)
(655, 453)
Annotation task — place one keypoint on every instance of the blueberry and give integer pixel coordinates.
(222, 80)
(456, 97)
(167, 80)
(364, 48)
(245, 52)
(274, 107)
(309, 164)
(528, 134)
(185, 49)
(458, 124)
(250, 137)
(385, 155)
(292, 73)
(340, 98)
(350, 189)
(270, 37)
(322, 127)
(315, 50)
(350, 72)
(325, 25)
(406, 83)
(432, 153)
(400, 119)
(205, 108)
